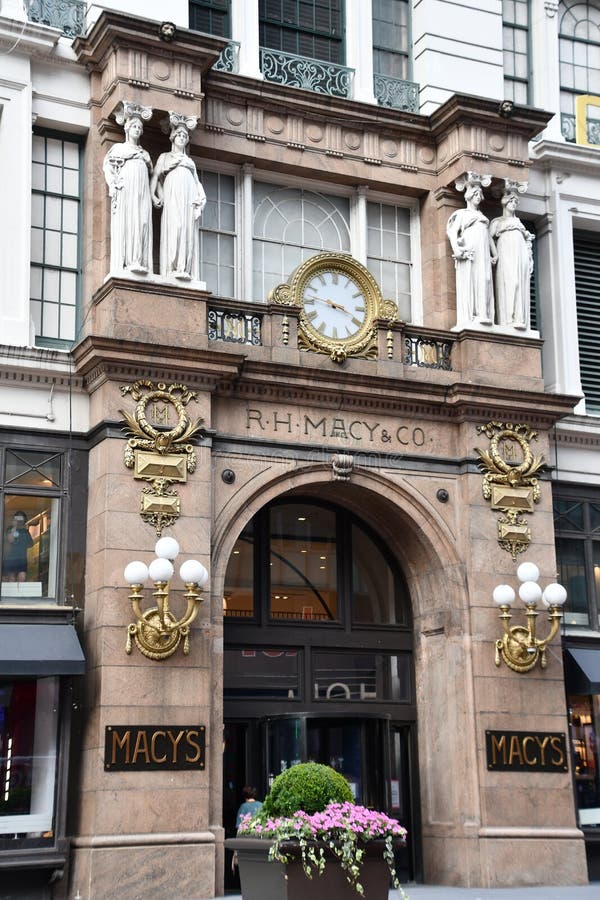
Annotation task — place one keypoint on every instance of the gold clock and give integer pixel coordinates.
(340, 302)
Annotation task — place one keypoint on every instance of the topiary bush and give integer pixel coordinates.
(306, 786)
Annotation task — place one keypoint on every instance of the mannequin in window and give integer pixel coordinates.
(127, 169)
(177, 190)
(17, 542)
(473, 255)
(513, 244)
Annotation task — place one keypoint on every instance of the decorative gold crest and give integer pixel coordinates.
(340, 303)
(159, 454)
(510, 481)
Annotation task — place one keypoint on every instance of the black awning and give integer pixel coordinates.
(583, 671)
(40, 650)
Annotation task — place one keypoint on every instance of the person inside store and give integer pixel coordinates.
(17, 542)
(250, 804)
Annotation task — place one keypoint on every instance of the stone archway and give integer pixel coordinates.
(427, 551)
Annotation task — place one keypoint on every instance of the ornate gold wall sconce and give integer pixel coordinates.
(519, 646)
(156, 631)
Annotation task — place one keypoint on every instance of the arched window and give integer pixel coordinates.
(289, 226)
(579, 51)
(311, 562)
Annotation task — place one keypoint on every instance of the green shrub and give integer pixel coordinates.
(307, 786)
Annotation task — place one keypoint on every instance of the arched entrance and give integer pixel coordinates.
(318, 660)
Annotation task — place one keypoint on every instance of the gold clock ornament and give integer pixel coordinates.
(340, 303)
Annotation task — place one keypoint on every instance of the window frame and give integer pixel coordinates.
(291, 28)
(585, 496)
(569, 93)
(404, 53)
(42, 340)
(214, 9)
(344, 521)
(512, 80)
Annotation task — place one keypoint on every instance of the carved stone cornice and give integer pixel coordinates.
(99, 360)
(454, 402)
(128, 57)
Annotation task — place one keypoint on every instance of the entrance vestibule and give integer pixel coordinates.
(318, 661)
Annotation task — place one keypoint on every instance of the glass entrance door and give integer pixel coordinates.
(371, 753)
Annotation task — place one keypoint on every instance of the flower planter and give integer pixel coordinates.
(265, 880)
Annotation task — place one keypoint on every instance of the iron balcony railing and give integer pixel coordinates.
(306, 73)
(228, 61)
(68, 15)
(395, 93)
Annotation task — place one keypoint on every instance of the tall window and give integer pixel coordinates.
(391, 39)
(211, 17)
(55, 238)
(579, 51)
(312, 28)
(577, 530)
(218, 233)
(388, 249)
(586, 250)
(515, 29)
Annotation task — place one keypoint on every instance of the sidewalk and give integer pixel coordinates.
(425, 892)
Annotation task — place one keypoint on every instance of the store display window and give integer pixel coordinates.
(28, 753)
(584, 721)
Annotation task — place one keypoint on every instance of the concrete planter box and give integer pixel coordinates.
(264, 880)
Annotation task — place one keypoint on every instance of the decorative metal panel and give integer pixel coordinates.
(235, 328)
(427, 353)
(228, 61)
(306, 73)
(396, 93)
(68, 15)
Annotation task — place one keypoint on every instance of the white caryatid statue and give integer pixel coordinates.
(127, 170)
(514, 246)
(177, 190)
(473, 255)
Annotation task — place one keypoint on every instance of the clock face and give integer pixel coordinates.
(334, 304)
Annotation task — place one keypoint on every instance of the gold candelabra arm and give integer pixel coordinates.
(554, 616)
(194, 599)
(136, 598)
